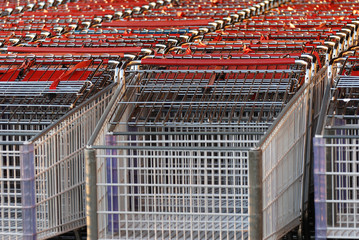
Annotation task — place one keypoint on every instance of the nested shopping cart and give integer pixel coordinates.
(208, 141)
(171, 157)
(342, 37)
(54, 18)
(36, 91)
(282, 36)
(336, 154)
(261, 49)
(105, 43)
(215, 10)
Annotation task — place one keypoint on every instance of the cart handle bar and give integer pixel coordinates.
(75, 50)
(219, 62)
(180, 23)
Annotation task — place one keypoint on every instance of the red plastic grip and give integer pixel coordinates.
(218, 62)
(74, 50)
(157, 23)
(69, 13)
(84, 64)
(257, 55)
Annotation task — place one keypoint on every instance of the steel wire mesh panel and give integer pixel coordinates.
(12, 135)
(283, 159)
(59, 168)
(28, 106)
(205, 95)
(173, 185)
(11, 218)
(336, 181)
(336, 157)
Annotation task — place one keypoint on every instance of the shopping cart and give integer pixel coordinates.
(335, 172)
(107, 43)
(58, 18)
(318, 52)
(181, 132)
(36, 91)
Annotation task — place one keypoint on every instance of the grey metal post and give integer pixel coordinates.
(255, 195)
(28, 191)
(91, 194)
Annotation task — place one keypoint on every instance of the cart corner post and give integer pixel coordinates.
(91, 194)
(255, 195)
(28, 191)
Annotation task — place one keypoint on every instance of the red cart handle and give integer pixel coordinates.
(66, 74)
(69, 13)
(75, 50)
(157, 23)
(217, 62)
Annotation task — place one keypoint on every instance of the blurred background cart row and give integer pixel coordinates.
(50, 83)
(175, 119)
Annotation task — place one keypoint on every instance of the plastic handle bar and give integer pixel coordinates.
(69, 13)
(74, 50)
(102, 4)
(157, 23)
(3, 57)
(217, 62)
(256, 55)
(8, 70)
(65, 75)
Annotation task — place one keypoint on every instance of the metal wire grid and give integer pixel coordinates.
(179, 183)
(343, 195)
(194, 10)
(345, 91)
(58, 178)
(205, 96)
(345, 100)
(336, 157)
(11, 218)
(12, 135)
(337, 171)
(283, 154)
(26, 110)
(283, 159)
(27, 95)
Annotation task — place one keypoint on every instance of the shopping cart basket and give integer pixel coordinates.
(173, 160)
(336, 155)
(36, 91)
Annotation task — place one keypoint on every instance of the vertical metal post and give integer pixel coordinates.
(255, 194)
(307, 163)
(91, 194)
(28, 191)
(320, 188)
